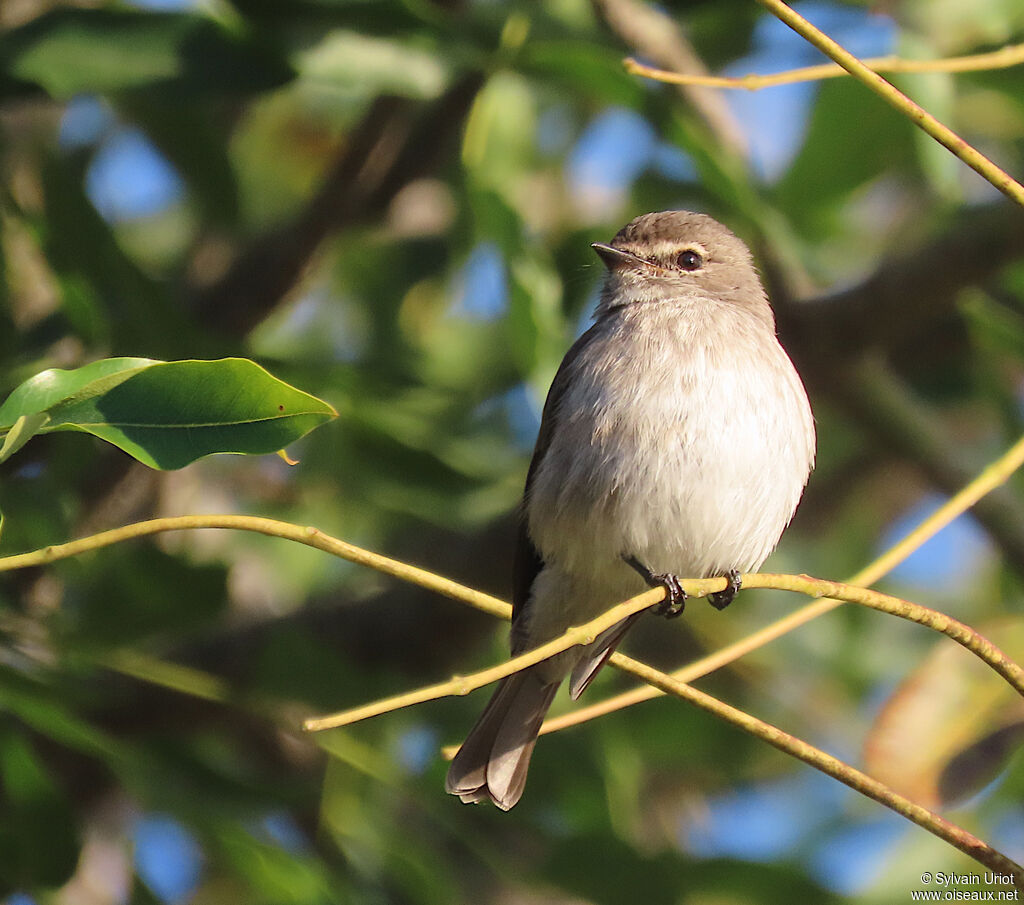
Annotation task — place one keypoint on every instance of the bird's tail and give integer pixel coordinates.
(492, 762)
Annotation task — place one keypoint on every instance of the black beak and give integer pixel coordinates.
(614, 258)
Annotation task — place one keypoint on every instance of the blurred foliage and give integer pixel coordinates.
(389, 205)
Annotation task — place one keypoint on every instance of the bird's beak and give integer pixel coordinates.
(614, 258)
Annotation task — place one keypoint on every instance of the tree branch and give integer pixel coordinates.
(991, 477)
(836, 591)
(313, 537)
(860, 782)
(1011, 55)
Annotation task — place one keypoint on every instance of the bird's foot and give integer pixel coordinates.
(675, 597)
(721, 599)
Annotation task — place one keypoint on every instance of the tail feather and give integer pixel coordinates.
(493, 761)
(597, 655)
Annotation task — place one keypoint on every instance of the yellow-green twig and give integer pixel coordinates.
(962, 634)
(584, 634)
(460, 685)
(311, 537)
(991, 477)
(942, 134)
(1012, 55)
(855, 779)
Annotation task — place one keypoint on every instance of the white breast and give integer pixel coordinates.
(684, 444)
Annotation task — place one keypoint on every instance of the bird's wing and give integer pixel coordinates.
(528, 560)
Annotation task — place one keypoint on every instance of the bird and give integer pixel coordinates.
(676, 440)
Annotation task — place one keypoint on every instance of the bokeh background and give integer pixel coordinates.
(389, 204)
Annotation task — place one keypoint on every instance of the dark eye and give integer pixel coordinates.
(689, 260)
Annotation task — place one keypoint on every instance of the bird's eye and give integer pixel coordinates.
(689, 260)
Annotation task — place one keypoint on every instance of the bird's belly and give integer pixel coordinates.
(685, 484)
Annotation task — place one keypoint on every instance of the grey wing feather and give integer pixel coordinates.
(528, 560)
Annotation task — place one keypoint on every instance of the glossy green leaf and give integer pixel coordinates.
(23, 430)
(167, 414)
(47, 389)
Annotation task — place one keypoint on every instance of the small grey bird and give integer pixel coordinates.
(676, 440)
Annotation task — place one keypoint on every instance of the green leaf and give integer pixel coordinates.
(48, 388)
(71, 51)
(24, 429)
(168, 414)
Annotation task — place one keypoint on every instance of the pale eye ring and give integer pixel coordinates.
(689, 260)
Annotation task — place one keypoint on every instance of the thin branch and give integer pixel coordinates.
(311, 537)
(855, 779)
(789, 744)
(1005, 57)
(461, 685)
(962, 634)
(945, 830)
(584, 634)
(884, 314)
(919, 116)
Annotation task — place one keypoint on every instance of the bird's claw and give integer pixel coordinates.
(721, 599)
(675, 597)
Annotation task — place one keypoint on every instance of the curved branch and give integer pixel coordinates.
(887, 408)
(949, 832)
(991, 477)
(1011, 55)
(313, 537)
(584, 634)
